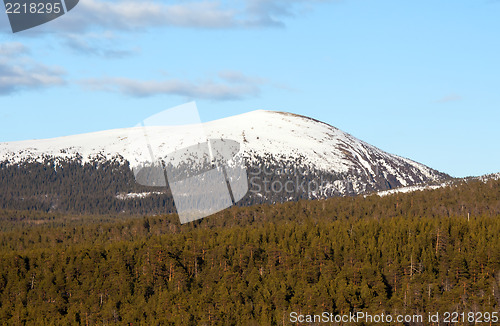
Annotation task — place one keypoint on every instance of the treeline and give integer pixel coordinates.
(100, 186)
(402, 254)
(71, 186)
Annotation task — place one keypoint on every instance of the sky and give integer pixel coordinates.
(419, 79)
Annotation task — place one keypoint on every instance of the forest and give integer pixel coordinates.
(433, 250)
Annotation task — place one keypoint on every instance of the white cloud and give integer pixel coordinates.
(19, 72)
(239, 78)
(272, 12)
(211, 89)
(97, 45)
(92, 17)
(15, 78)
(135, 15)
(12, 49)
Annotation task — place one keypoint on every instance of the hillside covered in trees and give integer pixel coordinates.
(401, 254)
(103, 186)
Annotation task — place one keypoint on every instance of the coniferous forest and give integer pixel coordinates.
(100, 186)
(414, 253)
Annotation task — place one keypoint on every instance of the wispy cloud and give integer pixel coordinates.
(238, 77)
(135, 15)
(12, 49)
(19, 72)
(272, 12)
(77, 29)
(450, 98)
(211, 14)
(101, 45)
(215, 89)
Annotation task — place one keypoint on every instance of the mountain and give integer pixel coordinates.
(316, 159)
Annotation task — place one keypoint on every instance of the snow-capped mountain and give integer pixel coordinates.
(277, 141)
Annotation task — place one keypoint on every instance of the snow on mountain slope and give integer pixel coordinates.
(448, 183)
(315, 143)
(411, 189)
(274, 137)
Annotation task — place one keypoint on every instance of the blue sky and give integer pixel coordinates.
(416, 78)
